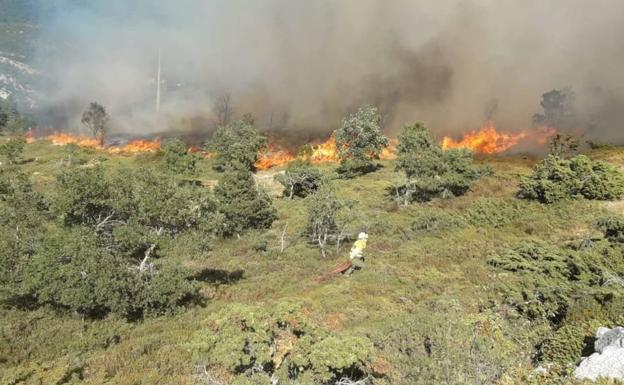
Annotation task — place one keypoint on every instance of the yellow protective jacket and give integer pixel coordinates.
(358, 248)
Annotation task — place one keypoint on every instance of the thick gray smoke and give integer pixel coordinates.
(299, 66)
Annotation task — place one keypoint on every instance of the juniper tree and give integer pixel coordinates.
(243, 205)
(300, 179)
(236, 144)
(359, 141)
(177, 158)
(429, 170)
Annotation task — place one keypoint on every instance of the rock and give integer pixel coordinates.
(608, 361)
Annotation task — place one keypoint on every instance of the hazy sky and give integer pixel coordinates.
(301, 65)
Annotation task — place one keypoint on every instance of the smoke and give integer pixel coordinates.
(300, 66)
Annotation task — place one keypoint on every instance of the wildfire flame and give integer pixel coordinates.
(485, 141)
(273, 156)
(135, 146)
(488, 140)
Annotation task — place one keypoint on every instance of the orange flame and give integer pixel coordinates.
(485, 141)
(137, 146)
(61, 139)
(273, 156)
(324, 152)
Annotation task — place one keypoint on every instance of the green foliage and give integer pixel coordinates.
(436, 220)
(257, 343)
(106, 256)
(300, 179)
(22, 211)
(613, 228)
(11, 122)
(556, 178)
(236, 145)
(429, 170)
(12, 149)
(360, 141)
(549, 278)
(323, 212)
(243, 205)
(493, 212)
(178, 159)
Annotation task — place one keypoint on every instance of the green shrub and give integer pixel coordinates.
(236, 145)
(300, 179)
(437, 220)
(430, 171)
(492, 212)
(556, 178)
(243, 205)
(177, 157)
(262, 342)
(360, 141)
(12, 149)
(613, 228)
(323, 219)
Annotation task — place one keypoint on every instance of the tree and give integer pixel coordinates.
(558, 109)
(223, 110)
(360, 141)
(429, 170)
(323, 210)
(236, 145)
(12, 149)
(96, 119)
(177, 157)
(300, 179)
(556, 178)
(242, 203)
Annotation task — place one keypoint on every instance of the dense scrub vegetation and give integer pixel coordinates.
(430, 171)
(557, 178)
(130, 270)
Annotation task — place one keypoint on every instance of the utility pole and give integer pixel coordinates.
(158, 81)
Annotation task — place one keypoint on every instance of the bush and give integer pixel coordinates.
(613, 228)
(547, 279)
(492, 212)
(360, 141)
(71, 270)
(243, 205)
(236, 145)
(430, 171)
(106, 255)
(177, 158)
(300, 179)
(323, 211)
(258, 343)
(556, 178)
(437, 220)
(12, 149)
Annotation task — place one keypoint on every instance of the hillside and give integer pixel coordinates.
(428, 308)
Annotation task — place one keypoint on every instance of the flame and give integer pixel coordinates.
(324, 152)
(273, 156)
(485, 141)
(137, 146)
(62, 139)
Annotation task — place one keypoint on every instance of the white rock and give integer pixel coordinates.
(608, 361)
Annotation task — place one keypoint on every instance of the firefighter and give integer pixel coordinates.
(357, 254)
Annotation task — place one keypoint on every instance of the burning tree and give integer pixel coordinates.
(95, 118)
(360, 141)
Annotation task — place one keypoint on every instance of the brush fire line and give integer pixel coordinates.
(486, 141)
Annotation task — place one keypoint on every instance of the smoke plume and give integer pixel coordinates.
(300, 66)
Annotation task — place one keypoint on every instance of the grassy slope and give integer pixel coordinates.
(416, 284)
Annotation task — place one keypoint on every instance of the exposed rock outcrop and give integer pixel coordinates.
(608, 359)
